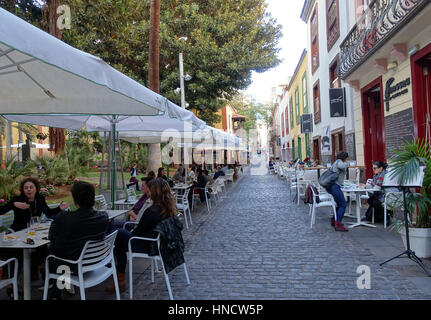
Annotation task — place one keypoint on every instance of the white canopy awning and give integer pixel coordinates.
(173, 118)
(40, 74)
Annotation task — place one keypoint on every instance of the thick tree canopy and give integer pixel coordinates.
(223, 41)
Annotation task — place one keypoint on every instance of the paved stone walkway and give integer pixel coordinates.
(257, 244)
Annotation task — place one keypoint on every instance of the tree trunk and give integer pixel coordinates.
(60, 142)
(154, 152)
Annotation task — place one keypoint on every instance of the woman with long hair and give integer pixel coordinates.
(164, 206)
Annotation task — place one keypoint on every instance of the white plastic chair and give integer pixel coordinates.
(14, 280)
(183, 206)
(131, 194)
(92, 266)
(101, 202)
(6, 220)
(324, 202)
(197, 195)
(154, 260)
(229, 175)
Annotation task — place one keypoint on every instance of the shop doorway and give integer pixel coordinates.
(421, 86)
(338, 143)
(373, 125)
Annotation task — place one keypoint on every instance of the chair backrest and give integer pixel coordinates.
(131, 193)
(185, 196)
(100, 202)
(310, 175)
(96, 254)
(6, 220)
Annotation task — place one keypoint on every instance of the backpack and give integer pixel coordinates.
(328, 178)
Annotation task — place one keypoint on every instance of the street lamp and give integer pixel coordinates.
(183, 77)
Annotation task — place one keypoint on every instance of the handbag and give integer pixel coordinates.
(328, 178)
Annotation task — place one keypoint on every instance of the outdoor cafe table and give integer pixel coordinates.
(357, 192)
(40, 233)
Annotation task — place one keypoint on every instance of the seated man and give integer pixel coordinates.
(219, 173)
(71, 230)
(179, 175)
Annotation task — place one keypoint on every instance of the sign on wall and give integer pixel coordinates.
(306, 123)
(326, 141)
(337, 102)
(393, 91)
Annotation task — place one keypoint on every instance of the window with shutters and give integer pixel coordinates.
(298, 116)
(286, 114)
(314, 26)
(282, 124)
(316, 102)
(305, 93)
(334, 80)
(332, 22)
(292, 124)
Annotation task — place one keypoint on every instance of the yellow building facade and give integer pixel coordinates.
(299, 105)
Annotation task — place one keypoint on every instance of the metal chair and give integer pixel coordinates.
(92, 266)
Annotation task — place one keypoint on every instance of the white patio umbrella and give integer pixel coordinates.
(41, 74)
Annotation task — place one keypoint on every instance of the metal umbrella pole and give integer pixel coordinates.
(114, 162)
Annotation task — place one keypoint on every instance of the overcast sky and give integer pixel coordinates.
(293, 42)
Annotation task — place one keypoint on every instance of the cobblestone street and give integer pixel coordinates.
(258, 245)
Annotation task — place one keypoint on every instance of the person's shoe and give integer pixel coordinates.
(121, 283)
(333, 222)
(339, 226)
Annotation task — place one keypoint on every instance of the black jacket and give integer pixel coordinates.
(71, 230)
(171, 243)
(22, 217)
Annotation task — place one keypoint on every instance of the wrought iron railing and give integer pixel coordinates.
(378, 23)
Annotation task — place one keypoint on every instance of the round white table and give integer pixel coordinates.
(355, 190)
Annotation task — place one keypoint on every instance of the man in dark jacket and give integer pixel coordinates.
(71, 230)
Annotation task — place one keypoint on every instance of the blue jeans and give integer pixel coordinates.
(335, 191)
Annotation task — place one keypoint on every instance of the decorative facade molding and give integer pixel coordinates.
(377, 25)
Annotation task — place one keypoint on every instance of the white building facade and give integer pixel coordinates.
(328, 24)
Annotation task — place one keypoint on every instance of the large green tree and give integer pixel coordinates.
(223, 41)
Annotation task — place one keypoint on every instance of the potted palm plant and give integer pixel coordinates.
(406, 164)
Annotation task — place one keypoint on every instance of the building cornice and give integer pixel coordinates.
(295, 74)
(306, 10)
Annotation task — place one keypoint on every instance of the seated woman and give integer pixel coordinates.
(163, 207)
(28, 204)
(376, 198)
(161, 173)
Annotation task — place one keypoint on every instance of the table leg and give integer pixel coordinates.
(27, 273)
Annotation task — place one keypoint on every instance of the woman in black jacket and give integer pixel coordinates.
(163, 207)
(29, 204)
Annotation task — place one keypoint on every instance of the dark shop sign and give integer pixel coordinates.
(394, 91)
